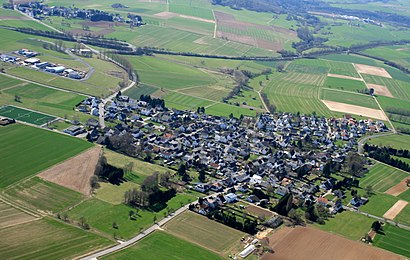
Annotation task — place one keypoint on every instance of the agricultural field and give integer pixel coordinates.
(405, 195)
(398, 89)
(394, 141)
(48, 239)
(348, 224)
(161, 245)
(344, 84)
(11, 216)
(404, 216)
(46, 149)
(136, 91)
(399, 54)
(101, 215)
(36, 193)
(395, 240)
(379, 204)
(299, 242)
(26, 116)
(207, 233)
(382, 177)
(349, 98)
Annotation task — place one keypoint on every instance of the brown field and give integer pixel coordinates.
(76, 172)
(310, 243)
(356, 110)
(166, 15)
(96, 33)
(395, 209)
(14, 18)
(377, 71)
(343, 77)
(398, 188)
(229, 20)
(380, 90)
(10, 216)
(254, 210)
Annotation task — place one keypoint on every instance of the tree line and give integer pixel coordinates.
(384, 154)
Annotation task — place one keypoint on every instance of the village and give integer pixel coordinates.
(258, 160)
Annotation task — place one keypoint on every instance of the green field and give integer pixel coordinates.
(137, 91)
(343, 68)
(205, 232)
(398, 89)
(399, 54)
(101, 215)
(394, 141)
(12, 216)
(395, 239)
(405, 195)
(113, 193)
(379, 204)
(24, 115)
(349, 98)
(48, 239)
(161, 245)
(348, 224)
(36, 193)
(27, 150)
(382, 177)
(404, 215)
(344, 84)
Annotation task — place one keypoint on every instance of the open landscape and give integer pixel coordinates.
(205, 129)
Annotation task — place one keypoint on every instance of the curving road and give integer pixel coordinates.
(362, 141)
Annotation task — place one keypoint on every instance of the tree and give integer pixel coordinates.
(154, 219)
(326, 169)
(83, 223)
(296, 216)
(280, 67)
(150, 184)
(131, 214)
(284, 205)
(369, 191)
(182, 170)
(377, 226)
(94, 182)
(114, 225)
(202, 176)
(17, 98)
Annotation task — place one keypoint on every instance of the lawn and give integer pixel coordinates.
(161, 245)
(404, 215)
(140, 169)
(112, 193)
(349, 98)
(379, 204)
(27, 150)
(101, 215)
(48, 239)
(348, 224)
(395, 239)
(205, 232)
(394, 141)
(36, 193)
(382, 177)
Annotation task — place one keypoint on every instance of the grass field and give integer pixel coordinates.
(112, 193)
(379, 204)
(36, 193)
(161, 245)
(24, 115)
(382, 177)
(396, 240)
(344, 84)
(101, 215)
(48, 239)
(342, 68)
(399, 54)
(404, 215)
(399, 89)
(27, 150)
(405, 195)
(140, 169)
(348, 224)
(205, 232)
(349, 98)
(395, 141)
(137, 91)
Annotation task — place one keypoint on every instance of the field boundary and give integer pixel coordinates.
(395, 209)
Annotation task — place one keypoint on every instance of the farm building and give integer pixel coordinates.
(32, 61)
(57, 69)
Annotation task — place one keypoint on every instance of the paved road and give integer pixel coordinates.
(137, 237)
(362, 141)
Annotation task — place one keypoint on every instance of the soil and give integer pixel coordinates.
(380, 90)
(356, 110)
(398, 188)
(96, 33)
(75, 173)
(395, 209)
(343, 77)
(377, 71)
(310, 243)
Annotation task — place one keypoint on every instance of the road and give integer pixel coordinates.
(362, 141)
(138, 237)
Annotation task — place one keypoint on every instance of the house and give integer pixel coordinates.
(74, 130)
(322, 201)
(231, 198)
(274, 222)
(32, 61)
(253, 199)
(201, 187)
(281, 190)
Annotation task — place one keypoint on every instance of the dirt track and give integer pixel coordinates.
(395, 209)
(356, 110)
(74, 173)
(310, 243)
(377, 71)
(399, 188)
